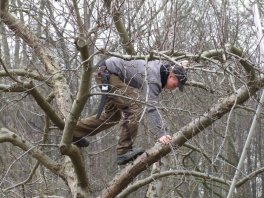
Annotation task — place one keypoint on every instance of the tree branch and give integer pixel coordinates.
(9, 136)
(26, 180)
(58, 80)
(12, 88)
(140, 183)
(200, 85)
(183, 135)
(25, 73)
(7, 72)
(62, 90)
(40, 100)
(44, 140)
(246, 65)
(44, 104)
(118, 21)
(66, 147)
(248, 177)
(202, 152)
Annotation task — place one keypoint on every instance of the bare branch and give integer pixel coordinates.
(66, 147)
(41, 101)
(26, 180)
(6, 70)
(9, 136)
(118, 21)
(202, 152)
(44, 104)
(25, 73)
(147, 180)
(12, 88)
(200, 85)
(248, 177)
(247, 66)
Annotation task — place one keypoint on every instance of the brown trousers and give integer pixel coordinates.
(116, 107)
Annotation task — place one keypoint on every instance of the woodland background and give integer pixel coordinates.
(48, 50)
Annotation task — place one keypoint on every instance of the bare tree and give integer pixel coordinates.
(48, 52)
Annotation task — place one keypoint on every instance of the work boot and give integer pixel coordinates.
(80, 141)
(129, 156)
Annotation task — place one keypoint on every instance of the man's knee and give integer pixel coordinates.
(116, 117)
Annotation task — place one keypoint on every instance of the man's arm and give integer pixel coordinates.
(154, 116)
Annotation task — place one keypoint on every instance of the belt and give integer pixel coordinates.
(105, 88)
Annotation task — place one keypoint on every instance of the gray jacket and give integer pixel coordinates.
(138, 74)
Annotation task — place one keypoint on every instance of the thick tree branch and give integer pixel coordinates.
(184, 134)
(44, 104)
(216, 54)
(66, 147)
(118, 21)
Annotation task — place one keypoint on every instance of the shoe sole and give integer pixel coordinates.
(130, 158)
(81, 142)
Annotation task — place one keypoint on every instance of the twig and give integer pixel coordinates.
(6, 70)
(26, 180)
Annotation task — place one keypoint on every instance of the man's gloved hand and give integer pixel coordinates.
(165, 139)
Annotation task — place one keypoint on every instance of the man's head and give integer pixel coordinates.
(176, 78)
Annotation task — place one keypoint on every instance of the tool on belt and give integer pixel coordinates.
(105, 88)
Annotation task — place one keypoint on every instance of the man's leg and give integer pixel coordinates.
(91, 126)
(128, 132)
(128, 128)
(131, 115)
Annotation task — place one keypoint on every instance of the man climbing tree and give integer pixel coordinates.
(120, 78)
